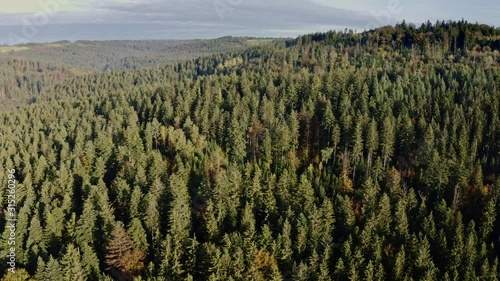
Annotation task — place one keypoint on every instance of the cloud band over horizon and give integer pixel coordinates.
(54, 20)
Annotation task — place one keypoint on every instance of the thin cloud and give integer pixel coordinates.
(157, 19)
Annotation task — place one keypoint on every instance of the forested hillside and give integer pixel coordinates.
(344, 156)
(121, 55)
(22, 81)
(30, 69)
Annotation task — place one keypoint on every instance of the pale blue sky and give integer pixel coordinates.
(50, 20)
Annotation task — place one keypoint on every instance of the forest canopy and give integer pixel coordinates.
(333, 156)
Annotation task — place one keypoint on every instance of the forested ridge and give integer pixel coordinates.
(335, 156)
(27, 70)
(128, 54)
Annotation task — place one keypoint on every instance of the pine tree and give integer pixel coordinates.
(286, 249)
(387, 140)
(371, 143)
(424, 266)
(135, 203)
(138, 234)
(40, 270)
(86, 224)
(53, 269)
(469, 261)
(399, 264)
(180, 214)
(120, 254)
(400, 222)
(90, 263)
(345, 213)
(488, 219)
(71, 265)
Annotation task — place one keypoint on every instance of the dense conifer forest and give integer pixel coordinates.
(26, 70)
(332, 156)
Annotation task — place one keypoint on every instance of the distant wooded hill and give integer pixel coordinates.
(25, 70)
(120, 55)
